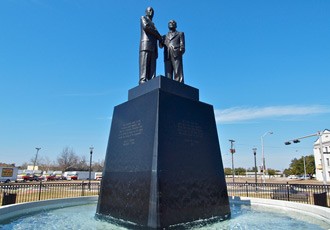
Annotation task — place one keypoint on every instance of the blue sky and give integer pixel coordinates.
(64, 65)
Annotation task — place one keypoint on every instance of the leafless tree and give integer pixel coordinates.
(68, 160)
(23, 166)
(82, 164)
(46, 164)
(98, 166)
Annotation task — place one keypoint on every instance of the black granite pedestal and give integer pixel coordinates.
(163, 164)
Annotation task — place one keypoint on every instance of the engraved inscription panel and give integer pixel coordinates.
(191, 131)
(129, 131)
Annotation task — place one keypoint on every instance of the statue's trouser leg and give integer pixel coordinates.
(153, 60)
(144, 60)
(178, 69)
(168, 69)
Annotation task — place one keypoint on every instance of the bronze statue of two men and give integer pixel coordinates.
(174, 47)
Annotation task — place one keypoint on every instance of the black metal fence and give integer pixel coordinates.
(26, 192)
(302, 193)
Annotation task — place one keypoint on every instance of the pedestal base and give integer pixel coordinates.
(163, 164)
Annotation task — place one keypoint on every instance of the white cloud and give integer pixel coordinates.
(237, 114)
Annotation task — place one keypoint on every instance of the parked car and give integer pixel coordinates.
(292, 177)
(34, 177)
(74, 177)
(304, 177)
(27, 177)
(70, 176)
(51, 177)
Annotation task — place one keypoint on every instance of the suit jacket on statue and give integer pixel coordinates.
(149, 36)
(174, 45)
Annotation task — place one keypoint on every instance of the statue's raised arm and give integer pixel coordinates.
(149, 27)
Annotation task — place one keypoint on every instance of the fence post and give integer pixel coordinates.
(247, 189)
(82, 188)
(40, 190)
(288, 190)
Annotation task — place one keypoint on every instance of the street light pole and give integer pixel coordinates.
(255, 164)
(35, 159)
(232, 151)
(263, 156)
(90, 166)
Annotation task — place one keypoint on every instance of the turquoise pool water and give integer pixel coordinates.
(243, 217)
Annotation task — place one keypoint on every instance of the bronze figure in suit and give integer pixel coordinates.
(174, 48)
(148, 46)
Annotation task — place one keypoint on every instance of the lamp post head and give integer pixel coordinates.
(254, 151)
(270, 133)
(91, 149)
(266, 133)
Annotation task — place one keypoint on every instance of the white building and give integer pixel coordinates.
(326, 153)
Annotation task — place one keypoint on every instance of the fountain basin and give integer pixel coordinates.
(247, 213)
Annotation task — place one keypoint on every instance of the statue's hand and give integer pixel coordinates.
(162, 42)
(182, 50)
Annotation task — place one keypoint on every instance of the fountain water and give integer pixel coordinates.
(248, 213)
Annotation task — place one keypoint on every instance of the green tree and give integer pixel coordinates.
(253, 169)
(287, 172)
(297, 165)
(228, 171)
(310, 164)
(271, 172)
(240, 171)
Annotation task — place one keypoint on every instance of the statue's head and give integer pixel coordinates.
(172, 25)
(150, 12)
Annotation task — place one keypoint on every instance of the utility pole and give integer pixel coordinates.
(35, 159)
(232, 151)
